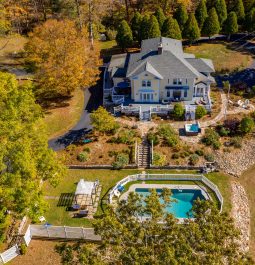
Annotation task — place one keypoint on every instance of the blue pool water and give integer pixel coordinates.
(192, 127)
(183, 200)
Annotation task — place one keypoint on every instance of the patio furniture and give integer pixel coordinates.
(86, 141)
(82, 213)
(121, 188)
(117, 193)
(75, 207)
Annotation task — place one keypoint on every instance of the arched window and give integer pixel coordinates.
(149, 83)
(144, 83)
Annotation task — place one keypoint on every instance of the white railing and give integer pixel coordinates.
(118, 99)
(161, 109)
(187, 177)
(9, 254)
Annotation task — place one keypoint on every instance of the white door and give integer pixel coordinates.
(146, 97)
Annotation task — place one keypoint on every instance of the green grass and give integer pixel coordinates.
(108, 178)
(224, 58)
(107, 44)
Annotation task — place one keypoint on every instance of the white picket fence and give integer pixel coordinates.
(183, 177)
(9, 254)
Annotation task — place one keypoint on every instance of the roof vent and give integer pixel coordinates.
(160, 48)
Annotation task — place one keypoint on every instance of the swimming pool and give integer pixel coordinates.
(184, 199)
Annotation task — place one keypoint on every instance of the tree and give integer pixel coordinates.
(211, 138)
(201, 13)
(171, 29)
(25, 159)
(62, 59)
(136, 26)
(238, 8)
(102, 121)
(178, 111)
(200, 112)
(209, 238)
(211, 25)
(181, 15)
(145, 25)
(221, 10)
(248, 5)
(159, 14)
(191, 30)
(231, 26)
(247, 125)
(250, 20)
(154, 30)
(124, 35)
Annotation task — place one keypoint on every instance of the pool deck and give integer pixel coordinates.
(133, 187)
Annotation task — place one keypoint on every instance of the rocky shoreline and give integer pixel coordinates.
(241, 214)
(237, 161)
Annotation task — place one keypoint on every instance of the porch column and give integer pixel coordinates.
(195, 94)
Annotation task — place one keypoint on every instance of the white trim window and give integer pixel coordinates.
(146, 83)
(177, 81)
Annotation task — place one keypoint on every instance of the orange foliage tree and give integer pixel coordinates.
(62, 58)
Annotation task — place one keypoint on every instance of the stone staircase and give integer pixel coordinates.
(144, 154)
(145, 116)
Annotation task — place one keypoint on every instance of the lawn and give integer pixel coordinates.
(224, 58)
(59, 216)
(60, 119)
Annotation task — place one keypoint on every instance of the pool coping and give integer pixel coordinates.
(161, 186)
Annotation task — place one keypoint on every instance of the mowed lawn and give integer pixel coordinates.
(224, 58)
(60, 119)
(57, 215)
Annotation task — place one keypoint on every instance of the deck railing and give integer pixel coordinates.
(161, 109)
(183, 177)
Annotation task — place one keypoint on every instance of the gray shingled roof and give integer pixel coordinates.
(172, 63)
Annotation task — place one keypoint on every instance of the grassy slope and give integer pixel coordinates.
(108, 178)
(223, 57)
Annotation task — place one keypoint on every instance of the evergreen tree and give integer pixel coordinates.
(238, 8)
(191, 30)
(154, 30)
(145, 24)
(211, 25)
(124, 36)
(181, 15)
(221, 10)
(250, 20)
(231, 26)
(159, 14)
(248, 4)
(201, 13)
(171, 29)
(136, 26)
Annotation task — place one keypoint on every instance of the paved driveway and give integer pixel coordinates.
(93, 97)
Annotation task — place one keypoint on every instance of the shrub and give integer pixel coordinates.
(23, 249)
(112, 153)
(199, 152)
(83, 157)
(111, 34)
(172, 140)
(232, 125)
(211, 138)
(153, 137)
(193, 159)
(200, 112)
(175, 156)
(223, 131)
(86, 149)
(236, 142)
(158, 159)
(178, 111)
(121, 161)
(126, 136)
(209, 157)
(246, 125)
(168, 134)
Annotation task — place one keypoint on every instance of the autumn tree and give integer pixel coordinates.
(136, 26)
(191, 30)
(62, 59)
(124, 35)
(171, 29)
(201, 13)
(160, 16)
(154, 29)
(181, 15)
(4, 23)
(211, 25)
(25, 159)
(209, 238)
(221, 10)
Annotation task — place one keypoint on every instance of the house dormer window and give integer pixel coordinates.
(143, 83)
(149, 83)
(146, 83)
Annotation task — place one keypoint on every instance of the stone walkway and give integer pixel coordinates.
(241, 214)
